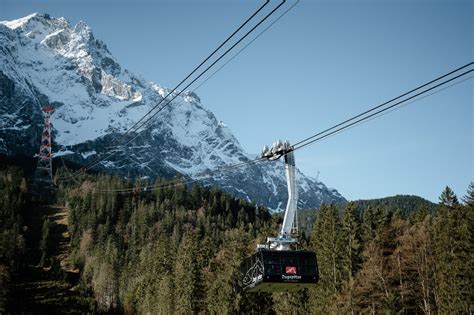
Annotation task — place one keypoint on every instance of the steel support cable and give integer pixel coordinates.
(248, 44)
(65, 167)
(194, 80)
(213, 63)
(387, 102)
(400, 106)
(236, 54)
(202, 176)
(240, 51)
(207, 69)
(359, 115)
(200, 65)
(148, 188)
(306, 143)
(193, 71)
(297, 146)
(301, 144)
(415, 100)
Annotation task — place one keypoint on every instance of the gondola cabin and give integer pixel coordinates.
(279, 271)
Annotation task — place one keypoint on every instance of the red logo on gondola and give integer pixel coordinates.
(290, 270)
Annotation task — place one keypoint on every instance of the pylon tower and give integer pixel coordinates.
(44, 166)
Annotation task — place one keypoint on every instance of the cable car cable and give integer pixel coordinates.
(207, 69)
(203, 62)
(241, 50)
(194, 80)
(114, 141)
(301, 144)
(402, 105)
(203, 176)
(387, 102)
(248, 44)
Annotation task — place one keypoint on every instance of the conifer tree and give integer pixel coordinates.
(369, 224)
(351, 255)
(453, 238)
(105, 276)
(326, 242)
(186, 275)
(152, 285)
(351, 242)
(164, 295)
(45, 243)
(448, 198)
(469, 198)
(222, 275)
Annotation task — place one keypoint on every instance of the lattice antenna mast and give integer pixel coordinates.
(44, 166)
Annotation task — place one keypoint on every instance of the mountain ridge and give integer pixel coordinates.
(47, 60)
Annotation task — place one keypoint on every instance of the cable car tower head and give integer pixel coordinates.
(284, 239)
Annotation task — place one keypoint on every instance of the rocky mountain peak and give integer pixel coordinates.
(43, 60)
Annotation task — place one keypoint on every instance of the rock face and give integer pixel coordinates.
(45, 60)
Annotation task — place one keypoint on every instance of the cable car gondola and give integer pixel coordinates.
(279, 270)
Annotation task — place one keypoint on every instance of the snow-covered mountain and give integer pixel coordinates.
(45, 60)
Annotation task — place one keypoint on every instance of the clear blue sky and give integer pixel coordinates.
(323, 62)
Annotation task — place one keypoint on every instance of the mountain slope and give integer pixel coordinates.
(46, 60)
(405, 205)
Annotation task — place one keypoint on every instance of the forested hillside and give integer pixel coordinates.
(177, 250)
(403, 205)
(169, 250)
(13, 208)
(385, 263)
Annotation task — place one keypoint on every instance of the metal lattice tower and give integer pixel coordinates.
(44, 166)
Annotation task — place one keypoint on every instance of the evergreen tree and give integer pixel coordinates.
(469, 198)
(164, 296)
(448, 198)
(351, 242)
(453, 239)
(222, 275)
(105, 276)
(369, 226)
(152, 287)
(45, 242)
(186, 275)
(351, 254)
(326, 242)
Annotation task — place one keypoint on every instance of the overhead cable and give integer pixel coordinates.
(97, 161)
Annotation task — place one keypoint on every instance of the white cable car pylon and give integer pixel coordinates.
(285, 237)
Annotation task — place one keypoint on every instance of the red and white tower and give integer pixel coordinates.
(44, 166)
